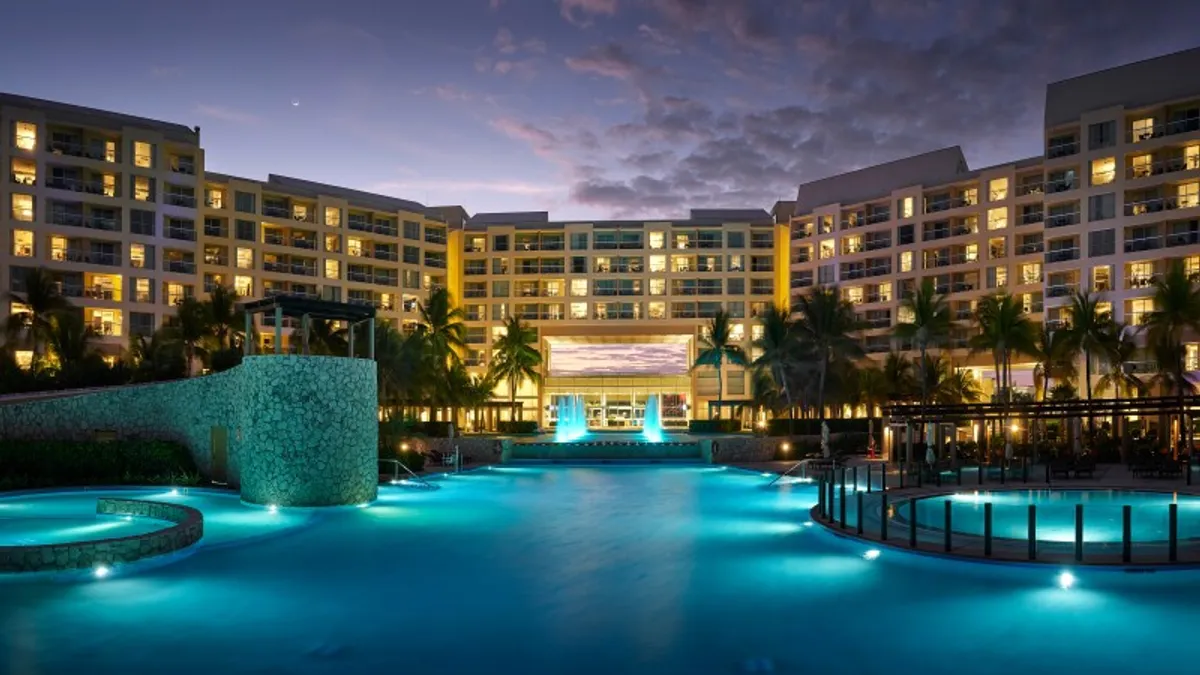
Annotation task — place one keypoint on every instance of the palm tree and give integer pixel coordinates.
(155, 357)
(516, 359)
(402, 366)
(1176, 310)
(226, 320)
(325, 338)
(928, 325)
(826, 326)
(80, 364)
(1120, 348)
(872, 389)
(445, 334)
(1004, 329)
(898, 370)
(779, 350)
(717, 348)
(956, 385)
(1088, 333)
(1054, 351)
(189, 327)
(40, 303)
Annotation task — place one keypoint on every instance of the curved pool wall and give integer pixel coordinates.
(301, 430)
(183, 527)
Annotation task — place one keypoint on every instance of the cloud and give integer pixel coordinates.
(507, 187)
(226, 114)
(748, 23)
(495, 4)
(580, 12)
(657, 40)
(609, 60)
(542, 141)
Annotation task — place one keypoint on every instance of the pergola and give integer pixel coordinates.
(307, 309)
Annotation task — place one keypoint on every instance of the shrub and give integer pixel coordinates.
(517, 426)
(224, 359)
(812, 427)
(33, 464)
(720, 426)
(435, 429)
(414, 460)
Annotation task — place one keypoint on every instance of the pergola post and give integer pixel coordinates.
(247, 336)
(371, 338)
(278, 329)
(907, 442)
(351, 340)
(304, 324)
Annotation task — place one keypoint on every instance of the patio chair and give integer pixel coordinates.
(1061, 467)
(1085, 465)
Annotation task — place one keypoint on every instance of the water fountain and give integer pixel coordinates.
(652, 427)
(572, 419)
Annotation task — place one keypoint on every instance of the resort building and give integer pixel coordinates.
(1113, 200)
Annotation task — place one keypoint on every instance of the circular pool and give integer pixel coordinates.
(1055, 513)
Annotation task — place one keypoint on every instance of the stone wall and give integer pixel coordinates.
(745, 448)
(301, 430)
(187, 528)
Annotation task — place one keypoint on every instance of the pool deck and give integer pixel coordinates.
(931, 541)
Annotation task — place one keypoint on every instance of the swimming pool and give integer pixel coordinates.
(585, 570)
(1102, 509)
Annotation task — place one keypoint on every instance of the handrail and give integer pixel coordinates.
(397, 464)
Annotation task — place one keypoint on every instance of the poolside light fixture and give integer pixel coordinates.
(871, 554)
(1066, 580)
(1015, 427)
(101, 571)
(174, 492)
(808, 523)
(271, 508)
(767, 474)
(785, 446)
(363, 505)
(404, 447)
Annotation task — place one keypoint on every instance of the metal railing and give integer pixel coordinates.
(397, 465)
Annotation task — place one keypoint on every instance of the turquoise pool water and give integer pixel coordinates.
(549, 570)
(1102, 514)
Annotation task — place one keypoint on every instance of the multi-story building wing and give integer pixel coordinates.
(107, 202)
(290, 236)
(640, 284)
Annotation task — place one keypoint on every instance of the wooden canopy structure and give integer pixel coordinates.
(307, 309)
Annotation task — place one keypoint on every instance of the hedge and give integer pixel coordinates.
(720, 426)
(812, 427)
(434, 429)
(35, 464)
(516, 426)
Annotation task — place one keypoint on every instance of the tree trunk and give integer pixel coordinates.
(719, 388)
(1087, 369)
(512, 398)
(821, 388)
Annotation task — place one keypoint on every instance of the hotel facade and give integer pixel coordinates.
(123, 213)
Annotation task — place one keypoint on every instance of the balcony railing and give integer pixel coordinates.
(1062, 219)
(1031, 218)
(1031, 247)
(75, 149)
(386, 280)
(216, 230)
(475, 293)
(802, 282)
(1162, 166)
(934, 235)
(1141, 281)
(934, 206)
(385, 254)
(1143, 244)
(1167, 129)
(276, 211)
(354, 275)
(1156, 204)
(1025, 189)
(1062, 150)
(218, 260)
(359, 225)
(180, 266)
(85, 256)
(1061, 290)
(861, 272)
(1061, 185)
(301, 242)
(388, 230)
(1062, 255)
(175, 199)
(876, 244)
(175, 232)
(687, 290)
(1183, 239)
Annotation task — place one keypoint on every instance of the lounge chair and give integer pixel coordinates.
(1084, 465)
(1060, 468)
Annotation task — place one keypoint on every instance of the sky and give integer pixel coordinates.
(588, 109)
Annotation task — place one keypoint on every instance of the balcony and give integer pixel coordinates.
(533, 245)
(1143, 244)
(385, 254)
(1062, 219)
(1182, 126)
(935, 206)
(79, 185)
(276, 210)
(1026, 189)
(301, 242)
(432, 237)
(216, 230)
(801, 257)
(1057, 185)
(947, 260)
(359, 225)
(882, 322)
(1141, 281)
(440, 263)
(802, 281)
(386, 229)
(934, 235)
(863, 272)
(303, 269)
(1183, 239)
(1061, 290)
(761, 267)
(176, 199)
(1163, 166)
(386, 280)
(179, 266)
(1062, 255)
(876, 244)
(963, 313)
(217, 260)
(681, 290)
(182, 233)
(352, 275)
(1031, 218)
(475, 293)
(1031, 247)
(1157, 204)
(77, 149)
(1062, 150)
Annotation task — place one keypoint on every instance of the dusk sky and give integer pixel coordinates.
(584, 108)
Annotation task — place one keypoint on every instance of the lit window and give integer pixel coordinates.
(852, 244)
(354, 246)
(1104, 171)
(1191, 157)
(22, 208)
(997, 218)
(657, 240)
(109, 185)
(658, 310)
(906, 261)
(22, 244)
(736, 263)
(331, 243)
(24, 172)
(970, 196)
(174, 293)
(1101, 278)
(826, 250)
(24, 358)
(998, 189)
(26, 135)
(332, 269)
(658, 287)
(1140, 273)
(1191, 265)
(1192, 356)
(906, 207)
(214, 198)
(1104, 308)
(1001, 274)
(579, 310)
(245, 259)
(681, 263)
(142, 190)
(141, 290)
(143, 154)
(1031, 273)
(105, 322)
(854, 295)
(658, 263)
(885, 291)
(1140, 166)
(972, 252)
(1139, 309)
(737, 332)
(243, 286)
(997, 248)
(756, 332)
(1189, 195)
(579, 288)
(300, 212)
(137, 255)
(1142, 129)
(905, 314)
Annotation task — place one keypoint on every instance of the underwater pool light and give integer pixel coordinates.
(1066, 580)
(101, 571)
(174, 492)
(271, 508)
(871, 555)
